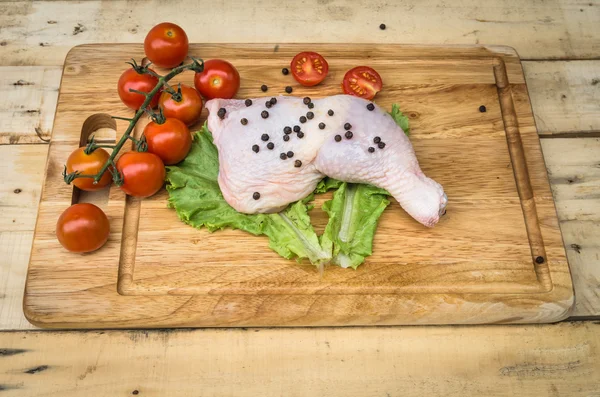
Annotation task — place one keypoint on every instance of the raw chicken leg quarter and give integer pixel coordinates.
(281, 150)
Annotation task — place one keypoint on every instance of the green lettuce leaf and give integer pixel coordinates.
(292, 235)
(326, 184)
(400, 119)
(353, 215)
(195, 195)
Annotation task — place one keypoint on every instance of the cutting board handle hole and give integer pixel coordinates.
(104, 128)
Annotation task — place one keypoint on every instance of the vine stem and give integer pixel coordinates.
(196, 66)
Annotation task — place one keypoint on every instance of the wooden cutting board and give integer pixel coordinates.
(496, 257)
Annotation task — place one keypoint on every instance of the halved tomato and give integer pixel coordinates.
(309, 68)
(362, 81)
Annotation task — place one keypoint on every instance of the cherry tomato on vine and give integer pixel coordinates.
(143, 173)
(219, 79)
(171, 140)
(188, 109)
(166, 45)
(362, 81)
(309, 68)
(134, 79)
(82, 228)
(89, 164)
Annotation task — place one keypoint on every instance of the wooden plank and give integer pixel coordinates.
(565, 96)
(527, 361)
(28, 104)
(15, 248)
(22, 169)
(41, 33)
(574, 172)
(500, 222)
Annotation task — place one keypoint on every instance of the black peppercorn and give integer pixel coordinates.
(370, 107)
(302, 119)
(348, 134)
(300, 134)
(264, 137)
(296, 128)
(322, 126)
(347, 126)
(286, 138)
(264, 88)
(381, 145)
(287, 130)
(221, 113)
(248, 102)
(244, 121)
(264, 114)
(285, 71)
(297, 163)
(255, 148)
(482, 109)
(288, 89)
(306, 100)
(382, 26)
(371, 149)
(268, 104)
(311, 105)
(283, 156)
(270, 145)
(273, 101)
(338, 138)
(376, 139)
(256, 195)
(310, 115)
(330, 112)
(290, 154)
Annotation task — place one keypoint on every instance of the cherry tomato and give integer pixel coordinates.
(132, 79)
(82, 228)
(143, 173)
(187, 110)
(219, 79)
(89, 164)
(309, 68)
(171, 140)
(166, 45)
(362, 81)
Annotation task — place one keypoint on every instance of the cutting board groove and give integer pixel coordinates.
(480, 264)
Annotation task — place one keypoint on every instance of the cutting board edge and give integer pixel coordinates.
(553, 306)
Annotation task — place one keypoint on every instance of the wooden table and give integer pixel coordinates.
(559, 43)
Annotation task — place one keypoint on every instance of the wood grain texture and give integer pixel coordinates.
(566, 96)
(503, 361)
(41, 33)
(489, 240)
(15, 248)
(28, 103)
(22, 173)
(574, 172)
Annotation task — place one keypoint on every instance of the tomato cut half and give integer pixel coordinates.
(309, 68)
(362, 81)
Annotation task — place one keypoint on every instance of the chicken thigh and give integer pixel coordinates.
(274, 151)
